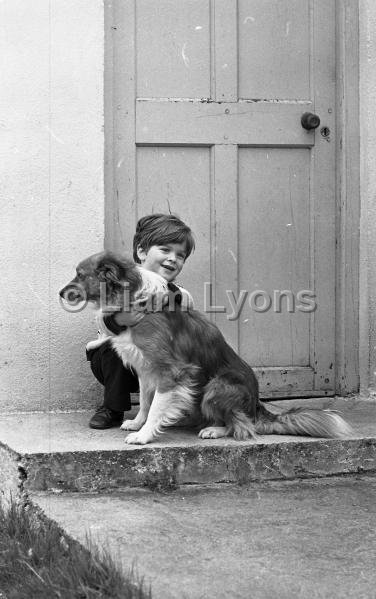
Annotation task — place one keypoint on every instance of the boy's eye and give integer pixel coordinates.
(166, 250)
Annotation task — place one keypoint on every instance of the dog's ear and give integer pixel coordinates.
(115, 270)
(109, 272)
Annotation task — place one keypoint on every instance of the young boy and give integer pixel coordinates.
(162, 243)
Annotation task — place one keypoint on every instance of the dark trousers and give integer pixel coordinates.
(119, 382)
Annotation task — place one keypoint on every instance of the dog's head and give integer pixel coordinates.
(104, 277)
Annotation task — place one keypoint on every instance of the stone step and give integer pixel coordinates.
(59, 452)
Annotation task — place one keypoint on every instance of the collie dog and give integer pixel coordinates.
(185, 366)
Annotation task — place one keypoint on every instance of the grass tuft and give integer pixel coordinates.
(37, 561)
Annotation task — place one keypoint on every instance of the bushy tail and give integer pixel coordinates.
(309, 422)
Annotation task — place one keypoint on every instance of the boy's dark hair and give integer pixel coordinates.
(158, 229)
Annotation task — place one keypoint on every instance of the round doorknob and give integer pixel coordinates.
(310, 120)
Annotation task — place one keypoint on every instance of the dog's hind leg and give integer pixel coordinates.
(167, 409)
(225, 403)
(146, 397)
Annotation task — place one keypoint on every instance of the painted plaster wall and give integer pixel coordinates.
(368, 195)
(52, 198)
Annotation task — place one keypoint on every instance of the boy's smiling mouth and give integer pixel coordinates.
(169, 267)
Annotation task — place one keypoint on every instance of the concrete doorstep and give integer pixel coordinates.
(59, 452)
(238, 520)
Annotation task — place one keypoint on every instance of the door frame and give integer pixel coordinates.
(347, 169)
(348, 197)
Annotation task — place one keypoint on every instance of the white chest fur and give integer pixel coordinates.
(128, 352)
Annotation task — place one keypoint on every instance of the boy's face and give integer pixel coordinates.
(166, 260)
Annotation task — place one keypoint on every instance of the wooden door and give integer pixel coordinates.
(207, 99)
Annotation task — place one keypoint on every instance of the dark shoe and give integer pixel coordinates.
(106, 418)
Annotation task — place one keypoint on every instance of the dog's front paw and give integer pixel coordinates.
(131, 425)
(213, 432)
(138, 438)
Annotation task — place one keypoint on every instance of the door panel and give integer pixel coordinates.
(208, 97)
(274, 225)
(274, 49)
(178, 178)
(173, 48)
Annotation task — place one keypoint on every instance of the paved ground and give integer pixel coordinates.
(293, 539)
